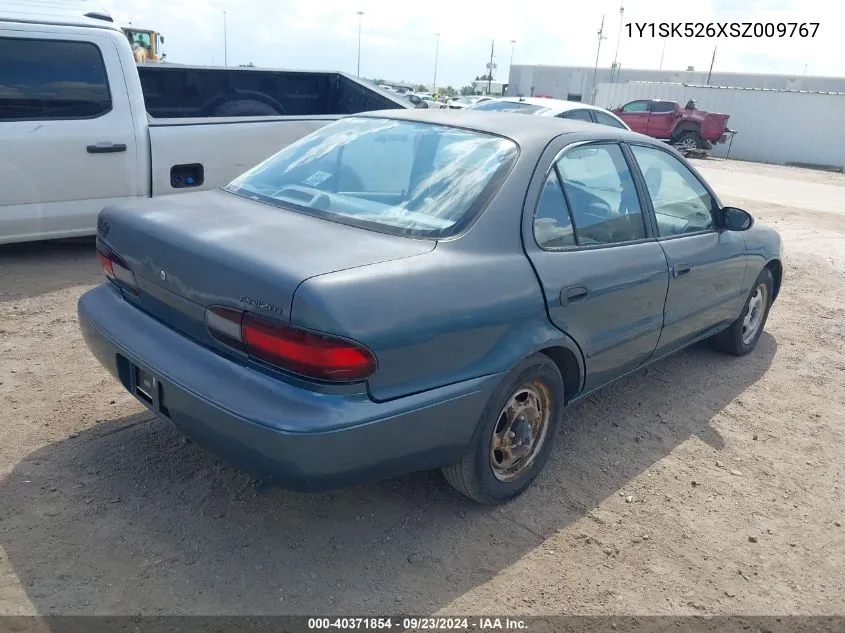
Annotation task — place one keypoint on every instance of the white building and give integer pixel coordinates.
(575, 83)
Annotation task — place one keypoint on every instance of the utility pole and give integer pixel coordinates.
(663, 53)
(712, 61)
(490, 67)
(513, 47)
(360, 15)
(618, 39)
(436, 53)
(225, 43)
(598, 51)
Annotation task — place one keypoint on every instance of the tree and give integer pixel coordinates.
(421, 88)
(449, 91)
(249, 65)
(487, 77)
(468, 91)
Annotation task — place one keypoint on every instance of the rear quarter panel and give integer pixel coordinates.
(713, 126)
(225, 148)
(433, 319)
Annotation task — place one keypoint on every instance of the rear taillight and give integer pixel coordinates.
(117, 270)
(309, 354)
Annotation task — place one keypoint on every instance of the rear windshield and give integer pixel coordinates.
(401, 177)
(509, 106)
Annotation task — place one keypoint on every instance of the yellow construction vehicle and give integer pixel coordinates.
(145, 44)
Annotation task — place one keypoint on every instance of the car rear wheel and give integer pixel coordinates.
(514, 436)
(689, 140)
(742, 336)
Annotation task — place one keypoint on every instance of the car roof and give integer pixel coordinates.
(554, 105)
(525, 130)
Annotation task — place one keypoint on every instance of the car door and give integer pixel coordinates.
(661, 119)
(66, 120)
(635, 114)
(706, 264)
(603, 274)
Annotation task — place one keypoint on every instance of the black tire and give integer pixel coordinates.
(732, 341)
(245, 107)
(473, 476)
(689, 140)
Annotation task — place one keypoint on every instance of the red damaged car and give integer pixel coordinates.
(688, 128)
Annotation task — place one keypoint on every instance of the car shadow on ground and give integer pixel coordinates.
(127, 518)
(35, 268)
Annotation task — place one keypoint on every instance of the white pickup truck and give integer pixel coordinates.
(81, 126)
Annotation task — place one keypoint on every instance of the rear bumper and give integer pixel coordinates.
(280, 433)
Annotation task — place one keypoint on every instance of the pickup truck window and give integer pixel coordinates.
(658, 107)
(50, 79)
(400, 177)
(636, 106)
(681, 203)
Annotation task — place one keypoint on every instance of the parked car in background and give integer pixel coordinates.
(430, 101)
(329, 317)
(415, 100)
(88, 127)
(687, 127)
(459, 103)
(559, 108)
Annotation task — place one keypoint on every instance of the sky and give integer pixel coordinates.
(399, 38)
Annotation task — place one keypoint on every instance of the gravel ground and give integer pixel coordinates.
(704, 484)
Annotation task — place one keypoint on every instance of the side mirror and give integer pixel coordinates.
(734, 219)
(161, 38)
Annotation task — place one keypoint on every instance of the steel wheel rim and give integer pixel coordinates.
(688, 143)
(520, 431)
(753, 318)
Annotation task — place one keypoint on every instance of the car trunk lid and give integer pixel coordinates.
(189, 252)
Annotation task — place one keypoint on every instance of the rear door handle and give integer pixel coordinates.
(680, 269)
(106, 148)
(573, 294)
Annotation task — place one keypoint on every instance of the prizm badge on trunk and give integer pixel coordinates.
(262, 305)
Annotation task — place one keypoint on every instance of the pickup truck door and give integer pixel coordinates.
(662, 119)
(603, 275)
(706, 264)
(69, 126)
(635, 114)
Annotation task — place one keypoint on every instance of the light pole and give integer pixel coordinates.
(225, 43)
(663, 53)
(598, 51)
(490, 66)
(360, 15)
(436, 53)
(618, 39)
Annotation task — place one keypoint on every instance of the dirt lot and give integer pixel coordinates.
(705, 484)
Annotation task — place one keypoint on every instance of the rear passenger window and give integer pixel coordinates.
(601, 193)
(552, 224)
(579, 115)
(47, 80)
(606, 119)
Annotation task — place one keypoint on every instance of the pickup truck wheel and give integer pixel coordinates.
(515, 434)
(689, 140)
(245, 107)
(742, 336)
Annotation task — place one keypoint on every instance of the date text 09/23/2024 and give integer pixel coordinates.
(722, 29)
(409, 623)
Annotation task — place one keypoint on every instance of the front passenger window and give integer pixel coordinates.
(681, 203)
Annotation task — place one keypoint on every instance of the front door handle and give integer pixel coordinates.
(573, 294)
(680, 269)
(106, 148)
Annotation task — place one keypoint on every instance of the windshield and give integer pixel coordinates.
(509, 106)
(402, 177)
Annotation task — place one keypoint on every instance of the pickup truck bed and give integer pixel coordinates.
(86, 127)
